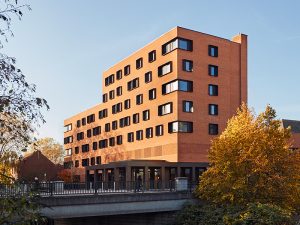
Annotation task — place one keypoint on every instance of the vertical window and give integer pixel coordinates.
(187, 65)
(109, 80)
(80, 136)
(85, 162)
(213, 129)
(112, 94)
(152, 94)
(180, 43)
(83, 121)
(127, 104)
(146, 115)
(213, 70)
(119, 74)
(159, 130)
(92, 161)
(136, 118)
(213, 51)
(148, 77)
(78, 124)
(130, 137)
(188, 106)
(119, 91)
(69, 151)
(139, 135)
(111, 141)
(180, 127)
(139, 99)
(213, 90)
(133, 84)
(107, 127)
(152, 56)
(95, 145)
(165, 109)
(149, 132)
(165, 69)
(76, 150)
(89, 133)
(119, 139)
(96, 130)
(91, 118)
(114, 124)
(127, 70)
(139, 63)
(104, 98)
(213, 109)
(85, 148)
(103, 113)
(98, 160)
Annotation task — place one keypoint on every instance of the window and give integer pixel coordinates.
(111, 141)
(119, 74)
(213, 70)
(136, 118)
(133, 84)
(112, 94)
(107, 127)
(188, 106)
(180, 127)
(103, 113)
(165, 69)
(130, 137)
(119, 91)
(76, 163)
(98, 160)
(139, 63)
(95, 145)
(92, 161)
(139, 135)
(213, 109)
(148, 77)
(159, 130)
(152, 94)
(116, 108)
(91, 118)
(83, 121)
(165, 109)
(69, 151)
(68, 127)
(177, 85)
(180, 43)
(127, 104)
(139, 99)
(213, 51)
(146, 115)
(80, 136)
(187, 65)
(85, 162)
(76, 150)
(89, 133)
(213, 129)
(96, 131)
(152, 56)
(68, 140)
(127, 70)
(149, 132)
(103, 143)
(104, 98)
(124, 121)
(213, 90)
(78, 124)
(85, 148)
(114, 124)
(119, 139)
(109, 80)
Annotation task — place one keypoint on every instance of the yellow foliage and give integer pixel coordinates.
(251, 162)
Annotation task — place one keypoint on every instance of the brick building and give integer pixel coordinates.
(161, 108)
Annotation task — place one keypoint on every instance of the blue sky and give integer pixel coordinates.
(64, 46)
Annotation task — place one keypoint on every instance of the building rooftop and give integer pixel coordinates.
(294, 124)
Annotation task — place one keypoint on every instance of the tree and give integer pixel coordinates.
(50, 148)
(251, 162)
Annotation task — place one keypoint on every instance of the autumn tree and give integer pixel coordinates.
(251, 162)
(50, 148)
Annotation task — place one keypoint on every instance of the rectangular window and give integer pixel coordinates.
(107, 127)
(85, 162)
(146, 115)
(213, 109)
(83, 121)
(133, 84)
(89, 133)
(80, 136)
(139, 63)
(127, 70)
(165, 69)
(78, 124)
(98, 160)
(91, 118)
(76, 163)
(116, 108)
(213, 70)
(148, 77)
(68, 151)
(152, 94)
(213, 51)
(165, 109)
(68, 140)
(130, 137)
(103, 113)
(152, 56)
(96, 131)
(187, 65)
(139, 135)
(76, 150)
(68, 127)
(177, 85)
(111, 141)
(188, 106)
(124, 121)
(95, 145)
(104, 98)
(109, 80)
(119, 140)
(149, 132)
(180, 43)
(119, 91)
(112, 94)
(85, 148)
(92, 161)
(159, 130)
(180, 127)
(136, 118)
(213, 129)
(127, 104)
(103, 143)
(119, 74)
(114, 124)
(213, 90)
(139, 99)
